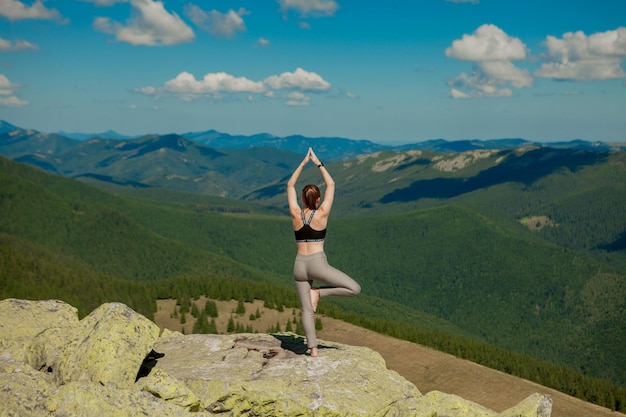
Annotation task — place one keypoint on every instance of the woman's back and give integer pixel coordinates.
(310, 231)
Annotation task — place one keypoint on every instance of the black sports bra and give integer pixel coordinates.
(307, 234)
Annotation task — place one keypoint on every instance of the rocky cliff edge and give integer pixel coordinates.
(116, 362)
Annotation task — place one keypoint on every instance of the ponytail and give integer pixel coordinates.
(310, 195)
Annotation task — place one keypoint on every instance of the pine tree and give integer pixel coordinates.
(210, 308)
(212, 327)
(241, 308)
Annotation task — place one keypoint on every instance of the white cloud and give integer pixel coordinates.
(299, 79)
(215, 85)
(488, 43)
(7, 91)
(19, 45)
(6, 86)
(216, 23)
(310, 7)
(578, 57)
(492, 51)
(297, 98)
(16, 10)
(150, 24)
(505, 71)
(454, 93)
(479, 85)
(186, 87)
(12, 102)
(262, 43)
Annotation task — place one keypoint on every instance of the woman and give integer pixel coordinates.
(309, 225)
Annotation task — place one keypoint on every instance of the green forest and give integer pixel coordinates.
(460, 276)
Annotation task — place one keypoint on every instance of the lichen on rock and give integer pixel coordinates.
(108, 347)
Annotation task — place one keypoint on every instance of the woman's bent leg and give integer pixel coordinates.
(339, 284)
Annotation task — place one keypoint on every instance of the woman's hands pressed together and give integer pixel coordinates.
(314, 158)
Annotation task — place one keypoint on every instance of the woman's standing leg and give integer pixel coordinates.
(308, 315)
(303, 286)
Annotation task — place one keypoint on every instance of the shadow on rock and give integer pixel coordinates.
(295, 343)
(148, 363)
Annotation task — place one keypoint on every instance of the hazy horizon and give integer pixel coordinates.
(86, 135)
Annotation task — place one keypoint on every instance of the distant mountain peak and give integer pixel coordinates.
(7, 127)
(109, 134)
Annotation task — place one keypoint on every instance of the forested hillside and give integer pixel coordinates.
(462, 271)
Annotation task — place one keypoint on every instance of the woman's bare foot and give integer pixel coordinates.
(313, 352)
(315, 298)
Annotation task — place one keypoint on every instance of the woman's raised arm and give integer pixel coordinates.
(292, 196)
(329, 193)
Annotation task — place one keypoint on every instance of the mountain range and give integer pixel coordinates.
(331, 148)
(226, 165)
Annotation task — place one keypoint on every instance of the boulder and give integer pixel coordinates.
(23, 320)
(448, 405)
(88, 399)
(107, 347)
(108, 364)
(170, 389)
(23, 390)
(258, 373)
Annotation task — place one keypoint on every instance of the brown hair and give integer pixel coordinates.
(310, 195)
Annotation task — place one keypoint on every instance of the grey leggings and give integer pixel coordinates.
(315, 267)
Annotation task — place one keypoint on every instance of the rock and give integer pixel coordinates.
(172, 390)
(23, 390)
(42, 354)
(87, 399)
(105, 365)
(534, 406)
(23, 320)
(108, 347)
(439, 403)
(253, 373)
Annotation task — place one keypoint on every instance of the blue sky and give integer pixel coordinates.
(388, 71)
